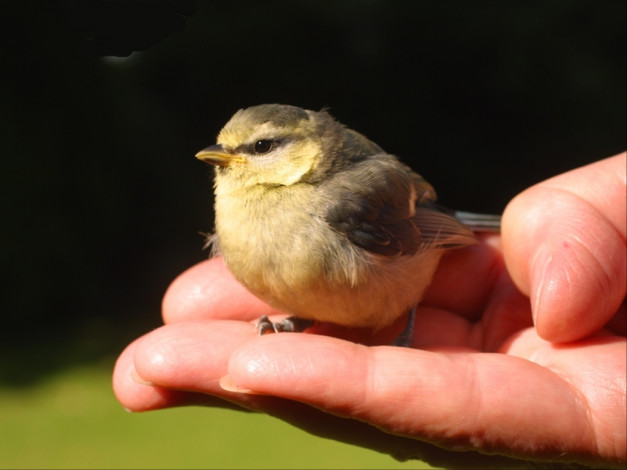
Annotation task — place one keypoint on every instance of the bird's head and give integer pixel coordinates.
(280, 145)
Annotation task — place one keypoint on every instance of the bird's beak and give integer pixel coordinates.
(216, 155)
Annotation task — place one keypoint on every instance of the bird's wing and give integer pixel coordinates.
(383, 207)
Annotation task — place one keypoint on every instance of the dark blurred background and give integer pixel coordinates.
(104, 104)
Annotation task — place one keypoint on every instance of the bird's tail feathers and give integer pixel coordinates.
(479, 222)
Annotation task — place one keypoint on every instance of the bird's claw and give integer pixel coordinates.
(405, 338)
(289, 324)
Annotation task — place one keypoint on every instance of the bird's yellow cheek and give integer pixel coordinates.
(302, 159)
(283, 169)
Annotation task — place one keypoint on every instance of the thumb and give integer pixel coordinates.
(564, 246)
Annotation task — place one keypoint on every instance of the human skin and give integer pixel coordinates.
(518, 353)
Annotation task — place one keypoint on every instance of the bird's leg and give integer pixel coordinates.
(404, 339)
(290, 324)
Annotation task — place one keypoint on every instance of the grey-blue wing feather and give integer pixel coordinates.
(383, 207)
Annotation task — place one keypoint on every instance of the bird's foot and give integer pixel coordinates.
(289, 324)
(405, 338)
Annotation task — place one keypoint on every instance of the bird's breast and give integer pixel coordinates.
(272, 238)
(274, 243)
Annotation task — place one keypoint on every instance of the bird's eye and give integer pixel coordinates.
(264, 146)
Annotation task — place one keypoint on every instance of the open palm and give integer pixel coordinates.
(519, 345)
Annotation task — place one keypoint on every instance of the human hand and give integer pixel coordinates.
(485, 379)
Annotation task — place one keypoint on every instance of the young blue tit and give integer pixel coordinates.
(321, 223)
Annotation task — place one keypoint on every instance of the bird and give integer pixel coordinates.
(321, 223)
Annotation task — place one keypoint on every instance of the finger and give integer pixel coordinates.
(189, 355)
(479, 307)
(136, 394)
(354, 432)
(486, 402)
(181, 364)
(465, 277)
(194, 365)
(564, 246)
(209, 290)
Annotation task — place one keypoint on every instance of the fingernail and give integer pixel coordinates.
(138, 379)
(227, 384)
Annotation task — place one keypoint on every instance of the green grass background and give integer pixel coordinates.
(72, 420)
